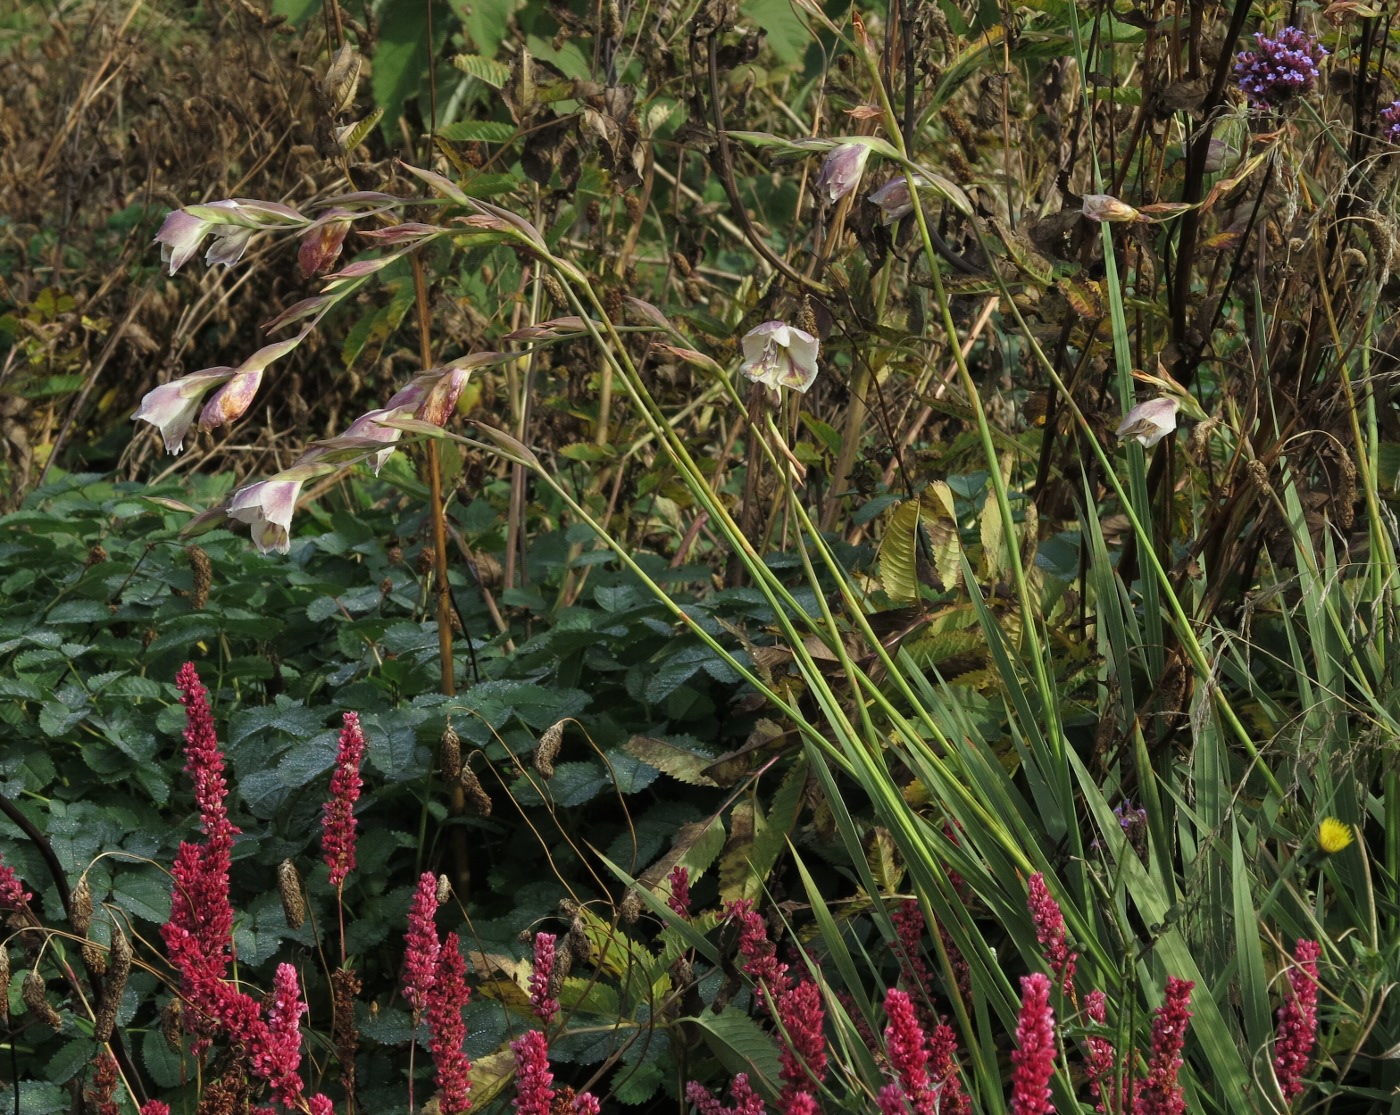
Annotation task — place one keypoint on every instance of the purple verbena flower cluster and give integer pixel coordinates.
(1280, 69)
(1390, 117)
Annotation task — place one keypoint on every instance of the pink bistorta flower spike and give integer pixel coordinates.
(761, 963)
(1099, 1067)
(338, 821)
(278, 1059)
(679, 898)
(907, 1049)
(534, 1092)
(1161, 1093)
(13, 896)
(746, 1102)
(803, 1056)
(1297, 1021)
(542, 1003)
(1034, 1057)
(155, 1107)
(1050, 932)
(446, 1001)
(943, 1071)
(421, 955)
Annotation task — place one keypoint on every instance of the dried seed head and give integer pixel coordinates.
(80, 907)
(633, 204)
(4, 984)
(289, 888)
(1344, 506)
(203, 572)
(579, 944)
(563, 963)
(171, 1028)
(118, 969)
(444, 889)
(806, 317)
(556, 291)
(33, 996)
(548, 750)
(476, 794)
(345, 987)
(95, 957)
(97, 555)
(681, 264)
(631, 907)
(450, 755)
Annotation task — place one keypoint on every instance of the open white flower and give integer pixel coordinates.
(267, 507)
(1149, 422)
(780, 355)
(171, 407)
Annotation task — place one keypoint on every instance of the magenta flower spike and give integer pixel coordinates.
(542, 1003)
(447, 1031)
(1297, 1021)
(1034, 1056)
(534, 1091)
(1161, 1093)
(421, 955)
(338, 817)
(1049, 924)
(278, 1059)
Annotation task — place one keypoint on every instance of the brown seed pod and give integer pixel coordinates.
(171, 1028)
(556, 291)
(33, 995)
(4, 984)
(444, 889)
(80, 907)
(203, 572)
(548, 749)
(289, 889)
(450, 755)
(118, 969)
(95, 957)
(631, 907)
(345, 1035)
(476, 794)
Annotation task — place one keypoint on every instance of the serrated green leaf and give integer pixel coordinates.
(163, 1063)
(492, 73)
(478, 131)
(898, 552)
(360, 131)
(741, 1046)
(680, 763)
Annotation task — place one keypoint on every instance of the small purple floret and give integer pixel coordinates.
(1390, 117)
(1281, 68)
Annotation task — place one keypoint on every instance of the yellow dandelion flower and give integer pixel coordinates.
(1333, 835)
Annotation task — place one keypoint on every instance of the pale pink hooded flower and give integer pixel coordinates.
(780, 355)
(1149, 422)
(840, 173)
(894, 198)
(171, 407)
(232, 222)
(1106, 207)
(234, 398)
(267, 507)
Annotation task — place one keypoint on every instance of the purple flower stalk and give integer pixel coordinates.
(1050, 932)
(420, 961)
(1390, 117)
(447, 1032)
(1297, 1021)
(1034, 1056)
(1161, 1093)
(542, 1003)
(338, 819)
(1280, 69)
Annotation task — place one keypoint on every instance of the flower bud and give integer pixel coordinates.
(1106, 207)
(1149, 422)
(840, 173)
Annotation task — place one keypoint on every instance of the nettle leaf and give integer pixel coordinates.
(71, 1059)
(741, 1046)
(898, 551)
(679, 762)
(166, 1067)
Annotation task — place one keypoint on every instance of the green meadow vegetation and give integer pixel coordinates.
(699, 556)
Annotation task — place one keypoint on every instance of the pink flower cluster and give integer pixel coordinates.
(435, 982)
(1049, 924)
(198, 934)
(1297, 1021)
(1161, 1093)
(911, 1052)
(1034, 1057)
(542, 1003)
(679, 898)
(338, 821)
(13, 896)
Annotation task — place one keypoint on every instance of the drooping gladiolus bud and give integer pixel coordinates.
(1106, 207)
(893, 198)
(780, 355)
(1149, 422)
(322, 242)
(840, 173)
(232, 222)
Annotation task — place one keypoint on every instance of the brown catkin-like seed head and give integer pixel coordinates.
(345, 1035)
(289, 888)
(612, 303)
(681, 264)
(548, 750)
(444, 889)
(1344, 509)
(95, 957)
(806, 317)
(171, 1027)
(556, 291)
(80, 907)
(633, 204)
(4, 984)
(203, 572)
(631, 907)
(450, 755)
(118, 969)
(475, 792)
(34, 999)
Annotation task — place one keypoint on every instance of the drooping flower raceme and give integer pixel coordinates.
(841, 171)
(1280, 69)
(780, 355)
(894, 198)
(1149, 422)
(232, 223)
(171, 407)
